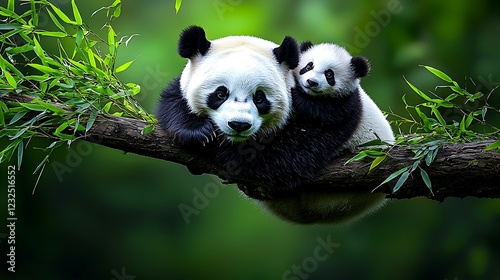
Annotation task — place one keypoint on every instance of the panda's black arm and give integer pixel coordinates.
(174, 116)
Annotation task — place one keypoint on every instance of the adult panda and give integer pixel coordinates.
(328, 74)
(232, 101)
(232, 88)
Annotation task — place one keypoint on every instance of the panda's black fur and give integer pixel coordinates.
(282, 160)
(310, 141)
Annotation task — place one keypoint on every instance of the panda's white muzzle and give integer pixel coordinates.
(237, 120)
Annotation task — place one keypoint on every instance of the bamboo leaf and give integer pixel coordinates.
(17, 117)
(33, 107)
(57, 34)
(76, 13)
(39, 51)
(19, 133)
(494, 145)
(62, 15)
(118, 11)
(111, 41)
(54, 109)
(462, 124)
(469, 120)
(12, 82)
(20, 152)
(401, 181)
(147, 129)
(377, 161)
(376, 142)
(426, 179)
(438, 116)
(429, 158)
(374, 152)
(10, 5)
(451, 97)
(361, 155)
(439, 74)
(419, 92)
(61, 127)
(392, 176)
(90, 122)
(90, 53)
(18, 50)
(44, 69)
(483, 113)
(44, 161)
(107, 106)
(124, 66)
(178, 4)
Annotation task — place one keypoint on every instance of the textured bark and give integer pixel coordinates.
(459, 170)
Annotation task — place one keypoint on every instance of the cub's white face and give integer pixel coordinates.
(326, 69)
(240, 86)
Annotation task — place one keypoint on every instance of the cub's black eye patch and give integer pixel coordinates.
(261, 102)
(309, 66)
(218, 97)
(330, 77)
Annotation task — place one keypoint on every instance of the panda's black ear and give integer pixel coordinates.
(361, 66)
(304, 46)
(288, 52)
(192, 42)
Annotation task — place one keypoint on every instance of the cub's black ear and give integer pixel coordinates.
(361, 66)
(288, 52)
(192, 42)
(304, 46)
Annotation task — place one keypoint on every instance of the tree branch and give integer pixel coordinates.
(459, 170)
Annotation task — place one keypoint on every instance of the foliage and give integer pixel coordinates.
(428, 128)
(80, 77)
(178, 4)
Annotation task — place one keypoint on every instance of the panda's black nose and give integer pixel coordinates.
(312, 83)
(239, 126)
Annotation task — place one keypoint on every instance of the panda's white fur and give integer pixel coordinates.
(314, 207)
(245, 64)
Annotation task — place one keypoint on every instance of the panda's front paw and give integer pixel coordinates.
(196, 133)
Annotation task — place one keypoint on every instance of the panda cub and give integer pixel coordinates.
(329, 70)
(327, 73)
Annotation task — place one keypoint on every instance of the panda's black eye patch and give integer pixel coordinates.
(330, 77)
(261, 102)
(309, 66)
(216, 98)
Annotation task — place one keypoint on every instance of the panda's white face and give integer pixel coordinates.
(326, 69)
(240, 86)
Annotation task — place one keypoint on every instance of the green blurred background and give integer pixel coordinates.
(111, 215)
